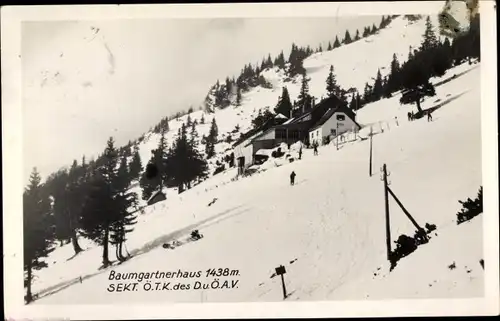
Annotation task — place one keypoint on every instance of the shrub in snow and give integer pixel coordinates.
(277, 153)
(219, 169)
(405, 245)
(470, 208)
(430, 227)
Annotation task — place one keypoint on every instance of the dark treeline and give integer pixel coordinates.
(94, 200)
(181, 163)
(90, 199)
(224, 94)
(431, 59)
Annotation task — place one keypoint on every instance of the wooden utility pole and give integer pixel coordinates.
(371, 138)
(404, 210)
(387, 221)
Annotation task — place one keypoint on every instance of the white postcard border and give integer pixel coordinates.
(12, 170)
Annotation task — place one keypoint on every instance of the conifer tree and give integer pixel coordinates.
(211, 140)
(382, 23)
(357, 37)
(38, 230)
(76, 191)
(56, 187)
(331, 83)
(122, 202)
(415, 79)
(269, 62)
(429, 39)
(238, 97)
(280, 61)
(329, 46)
(336, 43)
(296, 59)
(214, 131)
(367, 95)
(358, 101)
(377, 86)
(202, 120)
(366, 32)
(184, 162)
(304, 99)
(152, 182)
(394, 82)
(352, 103)
(194, 136)
(100, 208)
(284, 105)
(347, 38)
(136, 164)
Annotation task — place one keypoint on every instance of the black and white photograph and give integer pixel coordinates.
(243, 158)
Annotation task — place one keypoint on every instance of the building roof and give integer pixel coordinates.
(317, 108)
(155, 194)
(331, 112)
(268, 124)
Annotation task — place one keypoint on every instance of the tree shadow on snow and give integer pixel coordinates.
(455, 76)
(75, 255)
(176, 234)
(146, 248)
(424, 112)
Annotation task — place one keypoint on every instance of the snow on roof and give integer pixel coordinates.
(281, 116)
(155, 194)
(264, 152)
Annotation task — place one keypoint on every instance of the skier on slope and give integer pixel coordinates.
(315, 146)
(292, 178)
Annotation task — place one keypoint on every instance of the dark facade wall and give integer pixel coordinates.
(264, 144)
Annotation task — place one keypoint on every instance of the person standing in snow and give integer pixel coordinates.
(429, 116)
(300, 152)
(315, 146)
(292, 178)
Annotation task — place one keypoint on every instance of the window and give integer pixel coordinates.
(340, 117)
(281, 133)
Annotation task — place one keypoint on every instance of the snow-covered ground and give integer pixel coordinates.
(355, 65)
(328, 230)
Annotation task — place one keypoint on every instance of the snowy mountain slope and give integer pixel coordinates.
(355, 64)
(330, 225)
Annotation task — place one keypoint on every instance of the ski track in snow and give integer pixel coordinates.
(332, 221)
